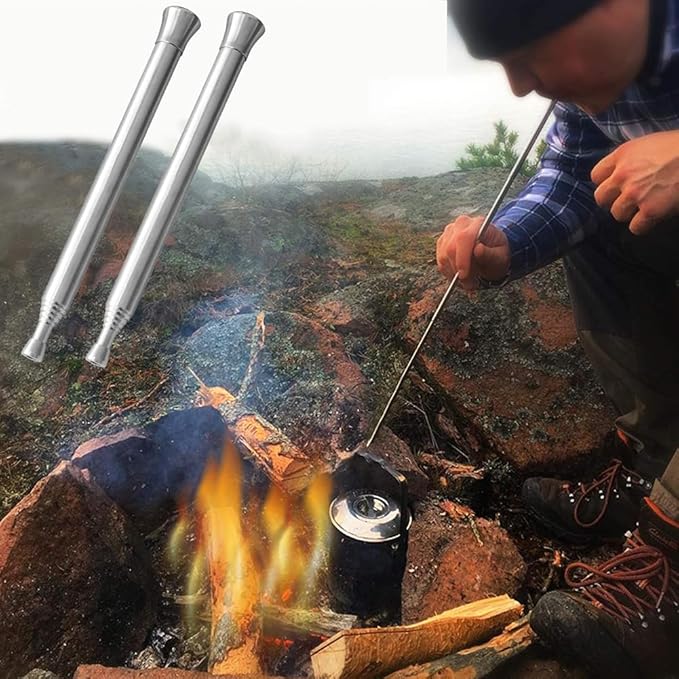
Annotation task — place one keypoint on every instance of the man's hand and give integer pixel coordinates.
(458, 251)
(639, 181)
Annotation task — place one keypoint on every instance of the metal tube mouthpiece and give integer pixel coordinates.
(177, 27)
(242, 32)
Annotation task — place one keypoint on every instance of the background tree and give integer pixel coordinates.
(501, 152)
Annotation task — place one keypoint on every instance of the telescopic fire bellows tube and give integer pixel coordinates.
(453, 283)
(177, 28)
(242, 32)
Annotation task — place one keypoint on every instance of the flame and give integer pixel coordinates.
(233, 580)
(251, 551)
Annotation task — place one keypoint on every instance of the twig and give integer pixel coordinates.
(138, 402)
(200, 382)
(259, 333)
(426, 419)
(475, 529)
(459, 451)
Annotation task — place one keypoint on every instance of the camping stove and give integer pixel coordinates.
(369, 539)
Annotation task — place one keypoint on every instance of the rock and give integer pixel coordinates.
(40, 674)
(146, 471)
(76, 584)
(536, 664)
(511, 369)
(398, 455)
(370, 307)
(99, 672)
(121, 464)
(337, 314)
(448, 567)
(183, 441)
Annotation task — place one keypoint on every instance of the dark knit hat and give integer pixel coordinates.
(491, 28)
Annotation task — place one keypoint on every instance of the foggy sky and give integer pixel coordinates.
(368, 86)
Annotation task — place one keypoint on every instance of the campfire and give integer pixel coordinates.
(255, 561)
(253, 553)
(290, 573)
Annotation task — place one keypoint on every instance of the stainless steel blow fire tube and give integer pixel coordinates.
(178, 25)
(242, 32)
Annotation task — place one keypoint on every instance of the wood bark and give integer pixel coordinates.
(476, 662)
(453, 477)
(257, 439)
(375, 652)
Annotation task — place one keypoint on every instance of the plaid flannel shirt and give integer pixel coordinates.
(556, 210)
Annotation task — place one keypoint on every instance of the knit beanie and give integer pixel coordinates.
(491, 28)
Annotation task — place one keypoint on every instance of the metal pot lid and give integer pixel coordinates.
(367, 515)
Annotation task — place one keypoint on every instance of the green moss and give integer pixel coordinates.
(17, 476)
(374, 242)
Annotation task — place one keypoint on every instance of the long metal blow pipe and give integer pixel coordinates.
(242, 32)
(177, 28)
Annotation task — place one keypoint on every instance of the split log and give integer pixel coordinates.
(298, 624)
(374, 652)
(476, 662)
(259, 440)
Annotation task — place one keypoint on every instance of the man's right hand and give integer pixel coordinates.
(458, 252)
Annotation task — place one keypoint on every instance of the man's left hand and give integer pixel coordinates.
(639, 181)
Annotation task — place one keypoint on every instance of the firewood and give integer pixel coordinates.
(260, 441)
(476, 662)
(374, 652)
(298, 624)
(233, 649)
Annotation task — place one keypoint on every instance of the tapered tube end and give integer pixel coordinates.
(178, 27)
(114, 321)
(99, 353)
(243, 30)
(50, 314)
(35, 348)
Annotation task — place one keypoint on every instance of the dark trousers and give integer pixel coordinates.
(625, 296)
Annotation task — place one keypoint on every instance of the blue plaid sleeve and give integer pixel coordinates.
(556, 210)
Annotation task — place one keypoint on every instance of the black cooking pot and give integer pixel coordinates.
(370, 520)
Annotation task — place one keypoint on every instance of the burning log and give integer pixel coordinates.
(233, 649)
(476, 662)
(374, 652)
(285, 464)
(299, 624)
(259, 441)
(253, 550)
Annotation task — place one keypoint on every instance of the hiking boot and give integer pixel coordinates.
(621, 619)
(600, 510)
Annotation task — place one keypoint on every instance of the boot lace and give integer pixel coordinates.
(605, 486)
(630, 585)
